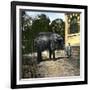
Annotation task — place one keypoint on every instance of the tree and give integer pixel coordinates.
(26, 23)
(40, 24)
(58, 26)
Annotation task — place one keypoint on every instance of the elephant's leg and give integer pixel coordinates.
(53, 52)
(50, 53)
(39, 58)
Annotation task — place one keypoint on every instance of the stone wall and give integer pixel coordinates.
(75, 50)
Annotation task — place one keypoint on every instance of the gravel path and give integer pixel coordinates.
(61, 67)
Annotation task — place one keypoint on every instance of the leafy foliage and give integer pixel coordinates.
(58, 26)
(40, 24)
(26, 24)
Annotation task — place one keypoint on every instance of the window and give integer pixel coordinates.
(74, 26)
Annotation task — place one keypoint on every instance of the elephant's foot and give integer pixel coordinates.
(53, 55)
(53, 58)
(39, 60)
(50, 58)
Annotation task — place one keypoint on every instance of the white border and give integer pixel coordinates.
(56, 79)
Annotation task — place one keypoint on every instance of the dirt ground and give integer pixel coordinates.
(60, 67)
(57, 68)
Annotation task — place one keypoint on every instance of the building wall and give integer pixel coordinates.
(72, 38)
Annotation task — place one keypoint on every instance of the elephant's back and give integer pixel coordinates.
(41, 42)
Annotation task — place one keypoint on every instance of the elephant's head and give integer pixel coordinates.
(58, 40)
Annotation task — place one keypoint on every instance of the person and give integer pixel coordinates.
(52, 48)
(68, 50)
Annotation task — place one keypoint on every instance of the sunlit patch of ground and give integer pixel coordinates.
(58, 53)
(58, 68)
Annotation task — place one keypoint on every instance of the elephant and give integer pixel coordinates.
(47, 41)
